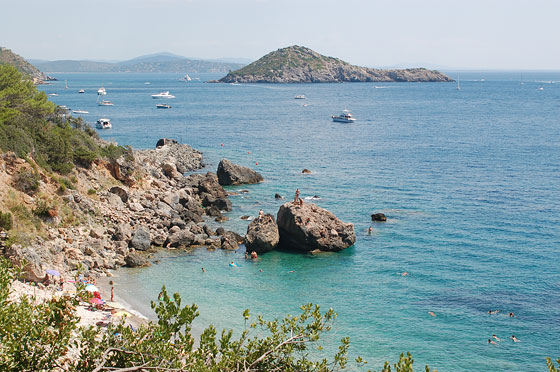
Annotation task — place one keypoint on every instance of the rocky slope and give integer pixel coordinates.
(298, 64)
(11, 58)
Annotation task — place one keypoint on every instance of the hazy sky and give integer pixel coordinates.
(478, 34)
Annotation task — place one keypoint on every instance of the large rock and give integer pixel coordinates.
(141, 239)
(120, 192)
(309, 227)
(135, 260)
(262, 234)
(378, 217)
(183, 157)
(233, 174)
(19, 255)
(183, 238)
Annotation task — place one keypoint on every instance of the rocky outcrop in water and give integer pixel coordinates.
(233, 174)
(308, 227)
(262, 234)
(298, 64)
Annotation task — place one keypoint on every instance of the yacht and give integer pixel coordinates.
(81, 91)
(186, 78)
(80, 112)
(344, 117)
(162, 95)
(163, 106)
(300, 96)
(105, 103)
(103, 123)
(101, 91)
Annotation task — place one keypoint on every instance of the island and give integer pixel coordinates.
(298, 64)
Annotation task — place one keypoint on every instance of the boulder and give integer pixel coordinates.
(233, 174)
(378, 217)
(278, 196)
(213, 211)
(182, 238)
(122, 232)
(262, 234)
(18, 255)
(134, 259)
(222, 203)
(141, 239)
(120, 192)
(309, 227)
(165, 141)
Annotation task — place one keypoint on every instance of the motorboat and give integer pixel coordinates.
(163, 106)
(147, 83)
(103, 123)
(300, 96)
(53, 94)
(345, 117)
(81, 91)
(80, 112)
(162, 95)
(186, 78)
(105, 103)
(101, 91)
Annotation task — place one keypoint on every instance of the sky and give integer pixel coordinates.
(467, 34)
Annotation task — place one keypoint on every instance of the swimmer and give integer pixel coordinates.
(491, 342)
(492, 312)
(515, 339)
(254, 255)
(370, 230)
(511, 315)
(431, 313)
(292, 271)
(246, 255)
(233, 264)
(496, 337)
(260, 271)
(405, 273)
(203, 270)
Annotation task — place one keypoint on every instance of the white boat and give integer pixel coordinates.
(344, 117)
(163, 106)
(105, 103)
(540, 88)
(103, 123)
(53, 94)
(300, 96)
(186, 78)
(162, 95)
(101, 91)
(80, 112)
(147, 83)
(81, 91)
(458, 85)
(65, 84)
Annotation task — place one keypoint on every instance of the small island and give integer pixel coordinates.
(298, 64)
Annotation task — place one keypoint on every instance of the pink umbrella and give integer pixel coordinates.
(96, 301)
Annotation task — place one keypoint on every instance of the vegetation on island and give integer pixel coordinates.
(10, 58)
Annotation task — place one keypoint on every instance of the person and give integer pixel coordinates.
(261, 214)
(254, 255)
(511, 315)
(46, 280)
(404, 273)
(515, 339)
(296, 198)
(203, 270)
(431, 313)
(491, 342)
(246, 255)
(112, 291)
(369, 231)
(61, 283)
(496, 337)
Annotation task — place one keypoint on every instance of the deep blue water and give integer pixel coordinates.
(469, 180)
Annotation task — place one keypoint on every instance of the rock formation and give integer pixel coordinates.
(233, 174)
(298, 64)
(309, 227)
(378, 217)
(262, 234)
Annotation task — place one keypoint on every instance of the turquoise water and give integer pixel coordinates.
(469, 181)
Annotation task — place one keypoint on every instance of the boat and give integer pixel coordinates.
(186, 78)
(103, 123)
(80, 112)
(458, 85)
(147, 83)
(101, 91)
(65, 84)
(53, 94)
(81, 91)
(162, 95)
(163, 106)
(540, 88)
(344, 117)
(300, 96)
(105, 103)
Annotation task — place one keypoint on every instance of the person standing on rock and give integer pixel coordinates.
(112, 291)
(296, 198)
(261, 214)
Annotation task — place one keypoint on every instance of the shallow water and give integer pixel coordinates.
(468, 179)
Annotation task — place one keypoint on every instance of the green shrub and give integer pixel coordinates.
(42, 209)
(65, 183)
(6, 221)
(92, 192)
(27, 181)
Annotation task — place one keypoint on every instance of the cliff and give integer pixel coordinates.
(11, 58)
(298, 64)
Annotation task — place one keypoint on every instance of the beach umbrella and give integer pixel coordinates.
(91, 288)
(96, 301)
(52, 272)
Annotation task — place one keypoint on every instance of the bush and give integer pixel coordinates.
(6, 221)
(42, 209)
(65, 183)
(92, 192)
(27, 181)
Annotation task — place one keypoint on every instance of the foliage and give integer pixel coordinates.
(6, 221)
(27, 181)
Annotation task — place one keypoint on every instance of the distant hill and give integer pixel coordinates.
(160, 62)
(11, 58)
(298, 64)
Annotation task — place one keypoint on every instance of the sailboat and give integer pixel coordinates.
(65, 84)
(101, 91)
(458, 85)
(186, 78)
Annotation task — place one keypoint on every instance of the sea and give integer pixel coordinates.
(469, 181)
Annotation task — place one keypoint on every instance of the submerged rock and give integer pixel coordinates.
(262, 234)
(309, 227)
(233, 174)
